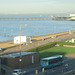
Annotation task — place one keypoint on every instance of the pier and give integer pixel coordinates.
(66, 18)
(32, 18)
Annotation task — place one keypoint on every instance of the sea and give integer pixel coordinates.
(9, 28)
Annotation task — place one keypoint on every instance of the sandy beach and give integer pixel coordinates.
(9, 46)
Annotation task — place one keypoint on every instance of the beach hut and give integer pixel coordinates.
(24, 39)
(73, 40)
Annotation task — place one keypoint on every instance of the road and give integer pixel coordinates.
(67, 66)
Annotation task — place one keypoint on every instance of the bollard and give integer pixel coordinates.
(43, 70)
(66, 65)
(36, 71)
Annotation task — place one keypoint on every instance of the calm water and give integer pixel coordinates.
(11, 28)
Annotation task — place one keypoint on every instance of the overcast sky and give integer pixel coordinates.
(36, 6)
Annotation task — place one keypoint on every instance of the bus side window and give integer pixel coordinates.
(61, 59)
(57, 59)
(51, 61)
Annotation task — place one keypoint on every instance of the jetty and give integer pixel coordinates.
(30, 18)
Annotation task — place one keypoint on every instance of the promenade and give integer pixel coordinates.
(15, 47)
(8, 44)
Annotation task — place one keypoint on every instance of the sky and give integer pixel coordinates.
(36, 6)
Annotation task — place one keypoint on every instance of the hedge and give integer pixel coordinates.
(66, 43)
(42, 47)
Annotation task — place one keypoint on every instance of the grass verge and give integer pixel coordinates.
(56, 51)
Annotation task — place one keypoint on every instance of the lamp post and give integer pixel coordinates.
(20, 60)
(20, 46)
(0, 64)
(20, 41)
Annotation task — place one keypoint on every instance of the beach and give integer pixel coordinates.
(9, 46)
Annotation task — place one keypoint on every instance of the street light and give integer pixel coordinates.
(20, 46)
(20, 41)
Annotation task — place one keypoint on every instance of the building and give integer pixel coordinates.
(73, 40)
(13, 59)
(72, 15)
(24, 39)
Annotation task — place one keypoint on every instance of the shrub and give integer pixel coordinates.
(60, 44)
(43, 47)
(66, 43)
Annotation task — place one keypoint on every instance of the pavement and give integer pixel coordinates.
(38, 43)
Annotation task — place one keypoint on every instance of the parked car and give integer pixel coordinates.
(1, 49)
(18, 72)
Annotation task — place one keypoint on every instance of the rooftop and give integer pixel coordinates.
(17, 54)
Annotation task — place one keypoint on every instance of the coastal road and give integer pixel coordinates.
(38, 43)
(69, 64)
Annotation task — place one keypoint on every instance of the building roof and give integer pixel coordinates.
(17, 54)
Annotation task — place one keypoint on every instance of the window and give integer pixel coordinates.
(61, 59)
(44, 61)
(55, 60)
(51, 61)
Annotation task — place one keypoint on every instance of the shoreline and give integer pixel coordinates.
(9, 44)
(11, 47)
(40, 37)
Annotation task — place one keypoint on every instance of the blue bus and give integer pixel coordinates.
(51, 61)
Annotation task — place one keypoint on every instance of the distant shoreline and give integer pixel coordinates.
(9, 46)
(40, 37)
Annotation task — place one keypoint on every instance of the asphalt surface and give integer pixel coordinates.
(68, 65)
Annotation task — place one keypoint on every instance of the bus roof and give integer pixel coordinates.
(52, 57)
